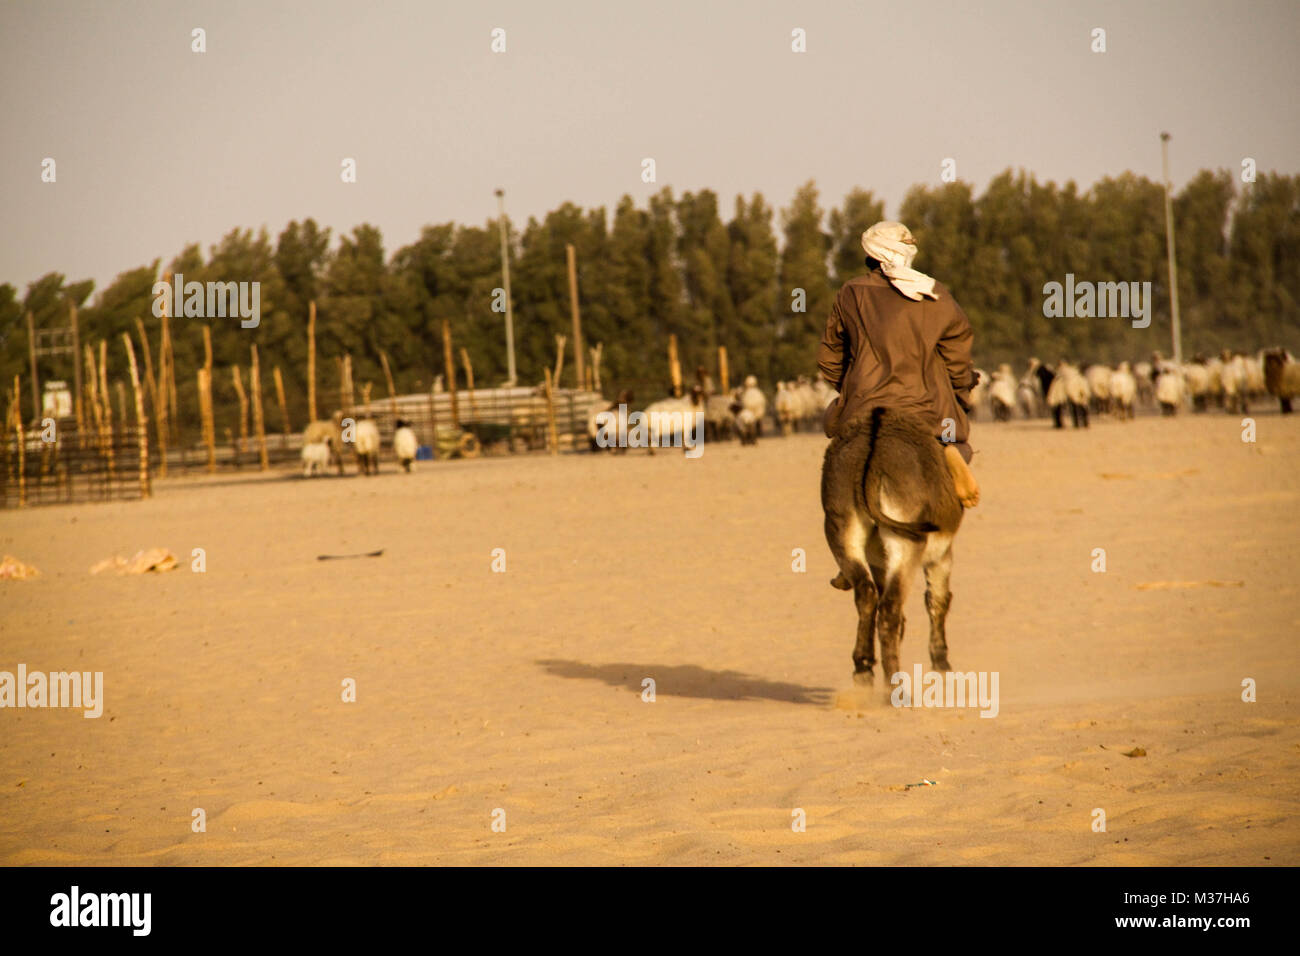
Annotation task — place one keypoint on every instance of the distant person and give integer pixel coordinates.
(896, 338)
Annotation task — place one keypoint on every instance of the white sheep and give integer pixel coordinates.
(365, 442)
(1145, 377)
(718, 421)
(1197, 378)
(806, 403)
(1170, 388)
(1069, 387)
(315, 458)
(1002, 393)
(1215, 367)
(1282, 377)
(1030, 391)
(1233, 376)
(1098, 378)
(1255, 386)
(746, 425)
(1123, 391)
(1076, 386)
(669, 420)
(788, 409)
(754, 401)
(329, 433)
(405, 444)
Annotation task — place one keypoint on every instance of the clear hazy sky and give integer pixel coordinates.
(157, 147)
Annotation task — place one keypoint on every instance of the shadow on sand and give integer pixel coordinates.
(689, 680)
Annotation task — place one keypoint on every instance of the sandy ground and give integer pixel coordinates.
(522, 690)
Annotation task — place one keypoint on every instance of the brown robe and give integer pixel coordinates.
(882, 349)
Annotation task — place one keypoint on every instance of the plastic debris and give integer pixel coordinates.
(150, 559)
(923, 783)
(343, 557)
(13, 569)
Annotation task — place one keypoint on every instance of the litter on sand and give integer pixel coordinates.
(150, 559)
(1135, 752)
(340, 557)
(13, 569)
(923, 783)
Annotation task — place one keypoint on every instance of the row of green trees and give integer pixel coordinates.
(681, 264)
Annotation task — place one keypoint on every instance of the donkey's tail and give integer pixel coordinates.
(904, 442)
(888, 444)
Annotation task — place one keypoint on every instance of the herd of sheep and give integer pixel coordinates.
(323, 443)
(1230, 381)
(739, 412)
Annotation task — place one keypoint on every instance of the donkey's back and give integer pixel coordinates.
(890, 508)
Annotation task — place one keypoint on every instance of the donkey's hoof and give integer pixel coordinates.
(864, 677)
(841, 582)
(940, 663)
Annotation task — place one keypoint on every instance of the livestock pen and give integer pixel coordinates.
(52, 461)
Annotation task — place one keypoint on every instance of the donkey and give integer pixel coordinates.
(890, 506)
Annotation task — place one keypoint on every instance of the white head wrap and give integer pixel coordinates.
(891, 244)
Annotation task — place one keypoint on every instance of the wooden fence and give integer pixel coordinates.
(53, 462)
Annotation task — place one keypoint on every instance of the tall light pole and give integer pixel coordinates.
(505, 278)
(1169, 243)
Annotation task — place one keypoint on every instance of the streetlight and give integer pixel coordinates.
(505, 278)
(1169, 243)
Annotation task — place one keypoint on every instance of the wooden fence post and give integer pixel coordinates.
(346, 392)
(141, 426)
(151, 387)
(162, 426)
(259, 420)
(104, 394)
(392, 392)
(120, 389)
(206, 400)
(311, 363)
(36, 382)
(209, 424)
(578, 370)
(469, 381)
(433, 423)
(16, 406)
(173, 400)
(103, 440)
(674, 366)
(449, 364)
(559, 358)
(284, 409)
(551, 432)
(595, 364)
(78, 402)
(243, 415)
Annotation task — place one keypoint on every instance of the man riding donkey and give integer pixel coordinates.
(896, 338)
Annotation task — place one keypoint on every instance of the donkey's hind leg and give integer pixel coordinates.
(864, 650)
(902, 555)
(938, 598)
(847, 536)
